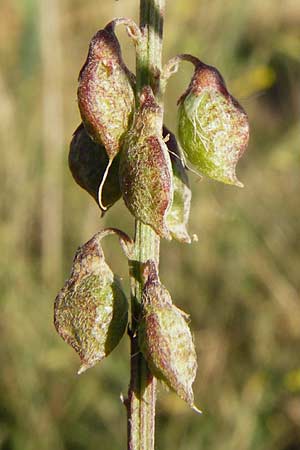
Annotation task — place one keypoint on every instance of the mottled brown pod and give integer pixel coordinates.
(178, 214)
(145, 167)
(213, 128)
(88, 162)
(165, 339)
(91, 311)
(105, 93)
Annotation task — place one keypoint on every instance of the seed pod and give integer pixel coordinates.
(105, 93)
(145, 167)
(88, 162)
(179, 212)
(165, 339)
(213, 128)
(91, 311)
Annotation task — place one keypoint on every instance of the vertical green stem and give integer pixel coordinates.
(149, 63)
(142, 389)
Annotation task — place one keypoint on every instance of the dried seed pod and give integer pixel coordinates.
(145, 167)
(105, 93)
(88, 162)
(165, 339)
(213, 128)
(91, 311)
(178, 215)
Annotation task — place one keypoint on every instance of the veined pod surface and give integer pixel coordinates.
(88, 162)
(91, 311)
(178, 214)
(105, 93)
(165, 339)
(145, 167)
(213, 128)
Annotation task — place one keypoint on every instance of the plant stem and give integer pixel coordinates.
(142, 389)
(148, 64)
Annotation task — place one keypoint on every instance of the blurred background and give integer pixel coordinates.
(240, 282)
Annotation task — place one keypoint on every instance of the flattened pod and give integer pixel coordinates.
(165, 339)
(91, 311)
(178, 215)
(105, 94)
(145, 167)
(213, 128)
(88, 162)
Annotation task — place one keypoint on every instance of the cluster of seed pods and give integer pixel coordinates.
(124, 150)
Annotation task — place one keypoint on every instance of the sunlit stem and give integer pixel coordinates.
(142, 389)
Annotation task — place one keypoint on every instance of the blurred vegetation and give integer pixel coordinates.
(240, 282)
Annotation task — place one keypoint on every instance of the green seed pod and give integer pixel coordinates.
(165, 339)
(213, 128)
(105, 93)
(179, 212)
(91, 311)
(145, 167)
(88, 162)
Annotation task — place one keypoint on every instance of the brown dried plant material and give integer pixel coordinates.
(91, 311)
(105, 93)
(88, 162)
(165, 338)
(213, 128)
(145, 167)
(178, 215)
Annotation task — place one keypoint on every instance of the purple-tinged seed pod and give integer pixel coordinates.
(165, 338)
(88, 162)
(178, 215)
(213, 128)
(105, 92)
(91, 311)
(145, 167)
